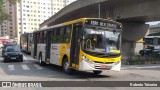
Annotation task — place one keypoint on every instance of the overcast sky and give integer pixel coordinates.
(153, 23)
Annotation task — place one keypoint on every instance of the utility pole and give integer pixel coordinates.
(99, 10)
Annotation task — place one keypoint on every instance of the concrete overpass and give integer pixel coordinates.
(131, 13)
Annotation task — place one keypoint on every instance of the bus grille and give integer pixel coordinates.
(104, 62)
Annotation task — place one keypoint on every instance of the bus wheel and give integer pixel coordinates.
(40, 60)
(66, 67)
(97, 72)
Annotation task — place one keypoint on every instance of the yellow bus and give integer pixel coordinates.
(85, 44)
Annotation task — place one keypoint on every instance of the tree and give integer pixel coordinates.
(3, 14)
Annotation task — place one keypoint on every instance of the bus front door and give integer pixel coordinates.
(75, 46)
(35, 37)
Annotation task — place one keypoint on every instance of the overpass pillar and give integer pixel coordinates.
(131, 33)
(128, 50)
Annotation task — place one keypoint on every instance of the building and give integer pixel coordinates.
(28, 14)
(154, 28)
(8, 27)
(59, 4)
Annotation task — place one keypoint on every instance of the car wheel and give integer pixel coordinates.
(21, 60)
(40, 60)
(97, 72)
(66, 67)
(5, 60)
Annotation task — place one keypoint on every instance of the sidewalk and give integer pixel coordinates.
(140, 66)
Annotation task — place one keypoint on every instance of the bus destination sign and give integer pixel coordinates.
(102, 24)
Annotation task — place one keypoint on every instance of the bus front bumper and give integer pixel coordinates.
(91, 66)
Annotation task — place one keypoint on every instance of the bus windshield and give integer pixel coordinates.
(100, 39)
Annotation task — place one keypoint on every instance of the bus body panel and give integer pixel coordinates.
(86, 66)
(97, 63)
(58, 51)
(55, 54)
(64, 51)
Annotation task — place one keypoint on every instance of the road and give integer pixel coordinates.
(30, 70)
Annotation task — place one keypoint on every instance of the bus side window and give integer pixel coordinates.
(40, 37)
(57, 35)
(67, 34)
(54, 36)
(61, 35)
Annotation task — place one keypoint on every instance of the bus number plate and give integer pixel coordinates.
(103, 66)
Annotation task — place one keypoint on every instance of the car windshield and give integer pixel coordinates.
(12, 49)
(100, 39)
(6, 45)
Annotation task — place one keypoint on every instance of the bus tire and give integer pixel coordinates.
(40, 60)
(97, 72)
(66, 67)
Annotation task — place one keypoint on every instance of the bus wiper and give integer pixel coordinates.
(112, 54)
(105, 55)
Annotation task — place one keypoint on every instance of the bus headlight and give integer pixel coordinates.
(87, 60)
(83, 57)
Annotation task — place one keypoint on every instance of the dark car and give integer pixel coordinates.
(147, 52)
(13, 53)
(4, 47)
(151, 50)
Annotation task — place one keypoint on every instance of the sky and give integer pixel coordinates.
(153, 23)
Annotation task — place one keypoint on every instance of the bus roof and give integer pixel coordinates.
(76, 21)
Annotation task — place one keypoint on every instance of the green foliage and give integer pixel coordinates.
(153, 59)
(3, 14)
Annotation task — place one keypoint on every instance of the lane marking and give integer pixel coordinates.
(11, 67)
(24, 57)
(148, 67)
(140, 67)
(37, 66)
(25, 67)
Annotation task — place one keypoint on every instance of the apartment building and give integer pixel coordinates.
(28, 14)
(59, 4)
(8, 27)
